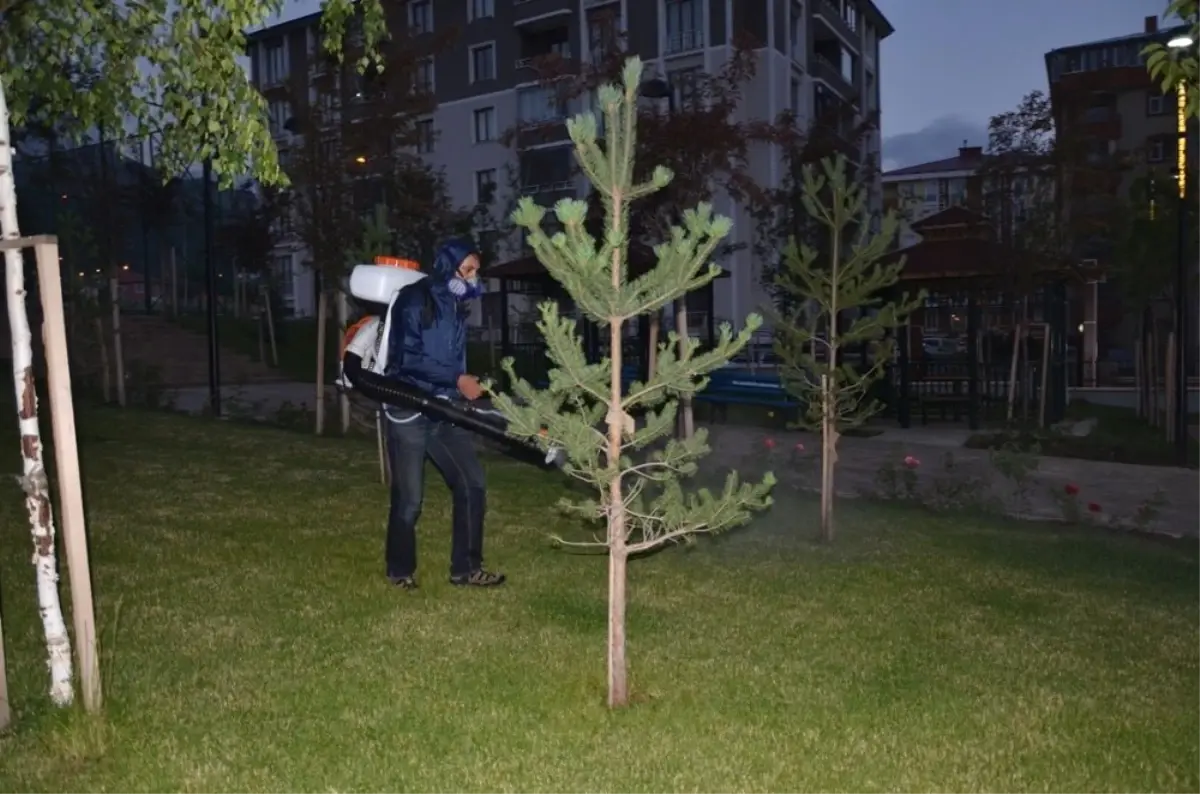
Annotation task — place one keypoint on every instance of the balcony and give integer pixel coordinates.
(547, 175)
(682, 41)
(548, 45)
(823, 69)
(540, 14)
(829, 16)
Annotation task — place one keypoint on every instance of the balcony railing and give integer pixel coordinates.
(528, 61)
(684, 41)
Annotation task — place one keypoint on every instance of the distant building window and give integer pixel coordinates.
(274, 63)
(420, 16)
(485, 125)
(1156, 104)
(424, 82)
(483, 63)
(425, 136)
(485, 185)
(482, 9)
(1156, 152)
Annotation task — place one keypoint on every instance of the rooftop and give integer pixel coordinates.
(969, 158)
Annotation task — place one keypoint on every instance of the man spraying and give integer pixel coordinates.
(427, 344)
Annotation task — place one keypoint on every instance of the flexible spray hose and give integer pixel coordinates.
(489, 424)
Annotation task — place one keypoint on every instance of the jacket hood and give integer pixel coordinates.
(450, 255)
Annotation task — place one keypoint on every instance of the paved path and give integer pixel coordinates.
(1120, 489)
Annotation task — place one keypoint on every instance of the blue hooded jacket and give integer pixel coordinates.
(428, 340)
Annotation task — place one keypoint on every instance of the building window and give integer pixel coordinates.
(485, 185)
(483, 62)
(278, 113)
(796, 90)
(685, 87)
(1156, 104)
(604, 32)
(420, 16)
(481, 9)
(540, 105)
(850, 14)
(274, 63)
(425, 136)
(485, 125)
(1156, 152)
(684, 30)
(285, 279)
(424, 81)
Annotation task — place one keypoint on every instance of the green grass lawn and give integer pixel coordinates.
(251, 643)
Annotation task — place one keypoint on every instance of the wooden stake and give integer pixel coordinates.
(5, 708)
(343, 320)
(828, 442)
(105, 372)
(687, 419)
(118, 358)
(266, 297)
(1012, 370)
(1045, 375)
(1169, 388)
(174, 285)
(322, 315)
(66, 463)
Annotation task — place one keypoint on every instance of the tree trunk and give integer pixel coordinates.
(322, 312)
(618, 673)
(262, 338)
(105, 370)
(34, 481)
(118, 353)
(343, 319)
(828, 458)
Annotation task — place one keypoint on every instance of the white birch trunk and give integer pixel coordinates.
(34, 481)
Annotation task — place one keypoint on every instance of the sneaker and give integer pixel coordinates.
(403, 582)
(479, 578)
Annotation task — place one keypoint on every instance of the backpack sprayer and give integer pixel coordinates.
(378, 286)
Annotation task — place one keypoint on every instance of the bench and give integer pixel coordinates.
(738, 387)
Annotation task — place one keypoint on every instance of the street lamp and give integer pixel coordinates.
(659, 88)
(1177, 46)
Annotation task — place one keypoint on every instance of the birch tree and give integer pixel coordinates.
(584, 410)
(152, 66)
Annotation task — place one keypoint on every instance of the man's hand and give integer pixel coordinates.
(469, 386)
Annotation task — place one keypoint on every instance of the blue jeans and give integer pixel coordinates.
(452, 451)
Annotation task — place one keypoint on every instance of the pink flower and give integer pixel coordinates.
(1071, 489)
(769, 443)
(1093, 507)
(910, 462)
(799, 447)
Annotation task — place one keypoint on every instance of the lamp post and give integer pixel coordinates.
(658, 88)
(1177, 45)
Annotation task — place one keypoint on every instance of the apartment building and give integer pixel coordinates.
(1125, 128)
(813, 54)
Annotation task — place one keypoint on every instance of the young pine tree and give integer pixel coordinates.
(837, 301)
(584, 409)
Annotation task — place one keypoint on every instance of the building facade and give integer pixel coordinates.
(1125, 131)
(811, 53)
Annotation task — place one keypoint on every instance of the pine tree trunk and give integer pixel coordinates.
(343, 319)
(118, 353)
(828, 455)
(322, 313)
(618, 673)
(105, 370)
(34, 481)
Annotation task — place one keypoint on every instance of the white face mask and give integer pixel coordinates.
(465, 288)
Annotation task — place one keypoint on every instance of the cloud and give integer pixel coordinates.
(938, 140)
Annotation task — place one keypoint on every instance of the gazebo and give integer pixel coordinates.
(525, 275)
(960, 352)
